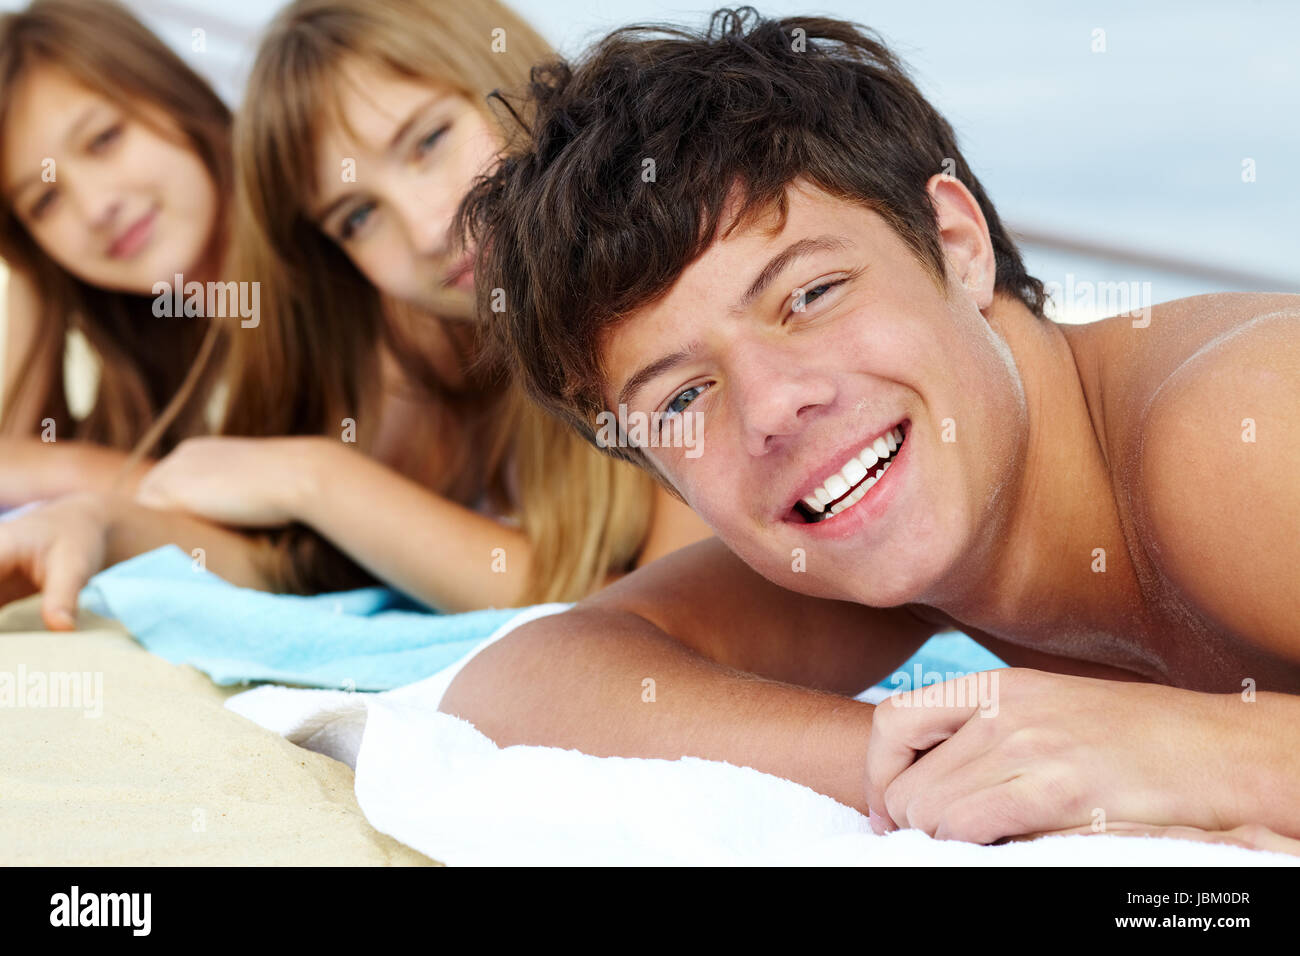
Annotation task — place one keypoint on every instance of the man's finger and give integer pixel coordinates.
(1014, 809)
(939, 778)
(907, 724)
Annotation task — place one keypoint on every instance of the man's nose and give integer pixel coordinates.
(777, 399)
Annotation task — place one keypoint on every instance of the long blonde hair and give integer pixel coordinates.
(313, 359)
(145, 360)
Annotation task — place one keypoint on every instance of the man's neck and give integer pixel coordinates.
(1053, 570)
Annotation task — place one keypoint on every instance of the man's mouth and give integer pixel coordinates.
(844, 488)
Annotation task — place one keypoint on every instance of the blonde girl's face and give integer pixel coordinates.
(118, 201)
(391, 170)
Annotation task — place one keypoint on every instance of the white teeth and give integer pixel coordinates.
(853, 472)
(854, 498)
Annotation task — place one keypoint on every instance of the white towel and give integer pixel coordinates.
(435, 783)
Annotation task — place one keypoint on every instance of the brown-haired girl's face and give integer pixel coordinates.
(109, 196)
(391, 169)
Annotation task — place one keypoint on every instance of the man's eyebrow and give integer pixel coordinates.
(783, 259)
(12, 192)
(653, 370)
(417, 114)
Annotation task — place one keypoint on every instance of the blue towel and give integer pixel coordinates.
(943, 657)
(369, 639)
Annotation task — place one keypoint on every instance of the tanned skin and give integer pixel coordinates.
(1157, 687)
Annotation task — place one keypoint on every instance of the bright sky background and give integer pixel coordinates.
(1139, 147)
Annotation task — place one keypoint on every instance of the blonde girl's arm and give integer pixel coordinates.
(441, 553)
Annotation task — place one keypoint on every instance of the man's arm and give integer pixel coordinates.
(696, 654)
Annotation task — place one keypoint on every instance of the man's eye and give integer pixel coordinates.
(803, 297)
(674, 408)
(355, 220)
(105, 138)
(423, 146)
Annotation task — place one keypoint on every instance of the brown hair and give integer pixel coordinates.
(313, 359)
(749, 102)
(145, 360)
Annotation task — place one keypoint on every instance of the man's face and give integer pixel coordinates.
(798, 350)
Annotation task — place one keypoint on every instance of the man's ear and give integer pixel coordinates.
(964, 238)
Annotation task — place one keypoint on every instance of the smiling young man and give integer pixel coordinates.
(768, 227)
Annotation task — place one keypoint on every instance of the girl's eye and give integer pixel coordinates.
(673, 407)
(355, 220)
(426, 144)
(105, 138)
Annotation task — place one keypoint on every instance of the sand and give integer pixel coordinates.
(164, 774)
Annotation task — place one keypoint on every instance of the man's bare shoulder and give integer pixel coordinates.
(1212, 419)
(1125, 360)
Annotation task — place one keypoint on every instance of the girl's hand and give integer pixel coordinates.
(55, 548)
(248, 482)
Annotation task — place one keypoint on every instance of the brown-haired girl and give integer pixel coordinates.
(116, 172)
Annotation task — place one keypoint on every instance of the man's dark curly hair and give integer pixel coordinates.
(572, 237)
